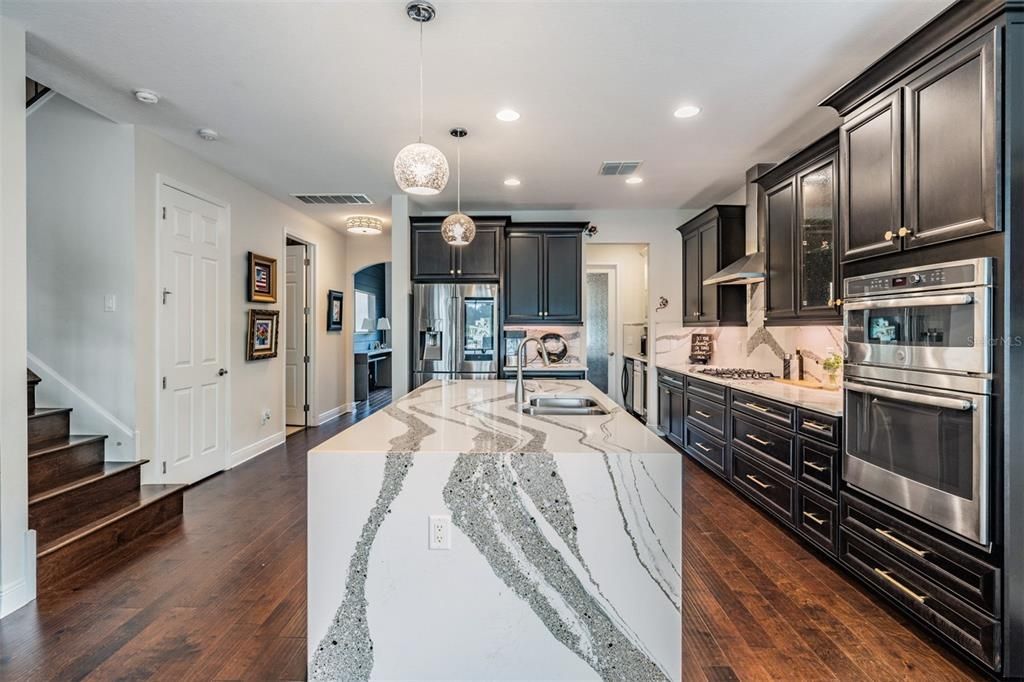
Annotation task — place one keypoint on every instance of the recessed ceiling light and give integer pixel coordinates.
(507, 115)
(635, 180)
(146, 96)
(208, 134)
(686, 111)
(513, 182)
(364, 224)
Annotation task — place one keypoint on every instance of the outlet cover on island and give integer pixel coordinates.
(440, 532)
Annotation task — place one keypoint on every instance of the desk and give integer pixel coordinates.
(373, 368)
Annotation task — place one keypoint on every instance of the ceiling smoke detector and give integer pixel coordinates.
(208, 134)
(146, 96)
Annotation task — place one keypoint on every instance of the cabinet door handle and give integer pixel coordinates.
(755, 479)
(761, 441)
(703, 414)
(903, 232)
(887, 576)
(888, 236)
(888, 535)
(817, 426)
(451, 272)
(759, 408)
(459, 271)
(703, 447)
(813, 517)
(816, 467)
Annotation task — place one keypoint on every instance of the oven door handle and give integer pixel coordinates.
(910, 302)
(921, 399)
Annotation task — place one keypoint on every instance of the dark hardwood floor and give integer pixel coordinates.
(222, 597)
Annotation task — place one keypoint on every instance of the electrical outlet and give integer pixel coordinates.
(440, 532)
(265, 417)
(109, 303)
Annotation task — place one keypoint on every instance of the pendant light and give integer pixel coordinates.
(458, 229)
(421, 168)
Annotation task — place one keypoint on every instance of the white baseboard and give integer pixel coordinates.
(334, 413)
(256, 449)
(22, 591)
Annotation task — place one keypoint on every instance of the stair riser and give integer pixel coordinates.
(78, 555)
(31, 398)
(48, 427)
(58, 468)
(63, 513)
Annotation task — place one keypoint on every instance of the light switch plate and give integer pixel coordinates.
(109, 303)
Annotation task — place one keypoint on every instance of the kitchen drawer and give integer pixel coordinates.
(768, 489)
(968, 577)
(821, 426)
(706, 449)
(817, 519)
(705, 389)
(776, 447)
(778, 414)
(818, 467)
(705, 414)
(974, 632)
(672, 380)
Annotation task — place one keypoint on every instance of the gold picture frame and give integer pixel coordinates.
(262, 279)
(261, 340)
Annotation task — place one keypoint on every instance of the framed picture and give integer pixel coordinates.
(335, 309)
(261, 341)
(262, 279)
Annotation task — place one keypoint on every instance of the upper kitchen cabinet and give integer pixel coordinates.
(712, 240)
(801, 260)
(919, 154)
(544, 273)
(434, 260)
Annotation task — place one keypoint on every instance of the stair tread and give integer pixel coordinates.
(49, 446)
(140, 499)
(109, 469)
(44, 411)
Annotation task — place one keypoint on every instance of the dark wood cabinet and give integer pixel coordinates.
(672, 407)
(434, 260)
(802, 269)
(712, 240)
(543, 276)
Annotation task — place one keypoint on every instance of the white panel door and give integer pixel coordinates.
(193, 337)
(295, 336)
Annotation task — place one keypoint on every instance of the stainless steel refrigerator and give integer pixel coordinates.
(455, 332)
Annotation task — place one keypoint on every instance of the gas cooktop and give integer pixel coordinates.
(736, 373)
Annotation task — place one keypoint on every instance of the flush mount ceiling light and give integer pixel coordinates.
(421, 168)
(146, 96)
(458, 229)
(513, 182)
(635, 180)
(686, 111)
(507, 115)
(364, 224)
(208, 134)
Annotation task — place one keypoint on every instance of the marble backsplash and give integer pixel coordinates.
(573, 339)
(754, 346)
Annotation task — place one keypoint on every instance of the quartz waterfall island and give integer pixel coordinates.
(565, 554)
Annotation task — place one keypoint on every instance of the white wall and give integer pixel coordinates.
(630, 264)
(258, 223)
(17, 543)
(81, 248)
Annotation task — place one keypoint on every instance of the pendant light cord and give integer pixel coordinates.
(421, 81)
(458, 178)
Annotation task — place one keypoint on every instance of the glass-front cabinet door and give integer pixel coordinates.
(816, 230)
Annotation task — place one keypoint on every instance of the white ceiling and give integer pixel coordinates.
(318, 97)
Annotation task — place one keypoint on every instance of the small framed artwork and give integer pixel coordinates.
(335, 309)
(261, 341)
(262, 279)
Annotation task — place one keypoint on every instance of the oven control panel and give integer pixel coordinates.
(962, 273)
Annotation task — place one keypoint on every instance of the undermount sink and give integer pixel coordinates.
(565, 405)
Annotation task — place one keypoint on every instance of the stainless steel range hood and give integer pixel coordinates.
(750, 268)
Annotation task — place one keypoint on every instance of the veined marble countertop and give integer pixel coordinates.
(819, 400)
(565, 555)
(539, 366)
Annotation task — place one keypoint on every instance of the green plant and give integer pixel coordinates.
(832, 363)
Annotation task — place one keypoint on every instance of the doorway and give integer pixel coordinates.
(602, 310)
(371, 340)
(192, 341)
(297, 319)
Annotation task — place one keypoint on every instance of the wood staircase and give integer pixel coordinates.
(81, 506)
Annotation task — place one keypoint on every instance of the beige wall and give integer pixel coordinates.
(258, 223)
(362, 250)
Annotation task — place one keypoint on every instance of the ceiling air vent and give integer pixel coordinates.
(344, 199)
(619, 167)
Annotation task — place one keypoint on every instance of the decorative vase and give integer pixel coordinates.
(832, 380)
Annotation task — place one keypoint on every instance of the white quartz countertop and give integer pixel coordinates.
(819, 400)
(554, 367)
(447, 416)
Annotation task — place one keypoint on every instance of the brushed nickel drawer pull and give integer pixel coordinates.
(888, 535)
(816, 467)
(703, 414)
(758, 440)
(812, 517)
(887, 576)
(759, 408)
(817, 426)
(755, 479)
(703, 447)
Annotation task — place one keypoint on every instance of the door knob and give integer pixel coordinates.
(888, 235)
(221, 372)
(903, 232)
(611, 354)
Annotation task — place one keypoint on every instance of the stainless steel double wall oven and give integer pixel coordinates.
(918, 391)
